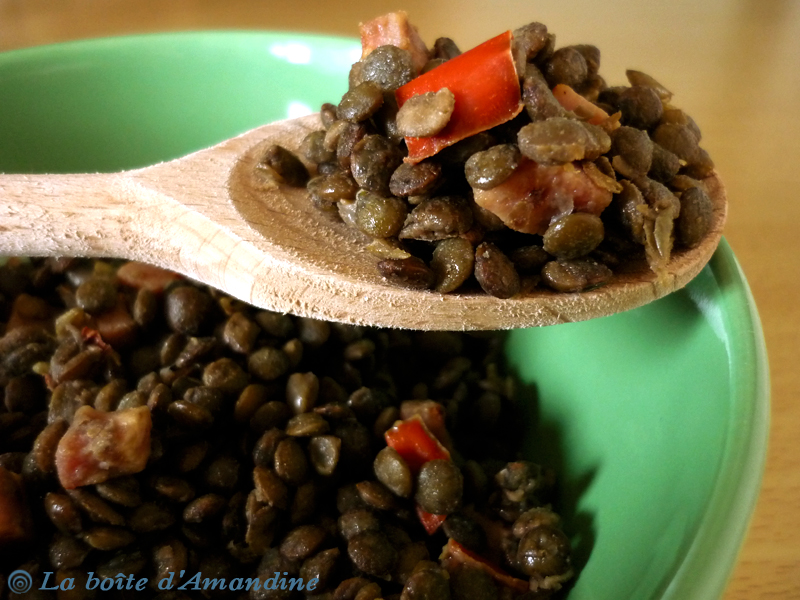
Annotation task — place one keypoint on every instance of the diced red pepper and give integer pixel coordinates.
(485, 84)
(432, 414)
(415, 443)
(454, 554)
(430, 521)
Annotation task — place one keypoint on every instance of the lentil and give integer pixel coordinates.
(488, 169)
(286, 165)
(567, 66)
(439, 487)
(437, 218)
(409, 272)
(573, 235)
(388, 67)
(453, 263)
(360, 103)
(575, 275)
(426, 114)
(495, 272)
(378, 216)
(694, 220)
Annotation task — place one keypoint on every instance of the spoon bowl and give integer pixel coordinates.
(211, 216)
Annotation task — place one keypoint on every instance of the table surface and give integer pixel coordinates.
(736, 66)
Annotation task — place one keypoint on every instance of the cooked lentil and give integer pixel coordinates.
(379, 216)
(495, 272)
(695, 218)
(573, 236)
(489, 168)
(286, 165)
(388, 67)
(453, 262)
(426, 114)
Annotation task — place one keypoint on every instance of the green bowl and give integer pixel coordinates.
(655, 419)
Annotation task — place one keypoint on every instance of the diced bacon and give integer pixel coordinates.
(393, 29)
(116, 326)
(572, 100)
(16, 525)
(534, 195)
(141, 275)
(99, 446)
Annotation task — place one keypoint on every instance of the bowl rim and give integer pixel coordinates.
(166, 36)
(711, 557)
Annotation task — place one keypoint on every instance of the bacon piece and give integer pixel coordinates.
(535, 195)
(141, 275)
(16, 525)
(101, 445)
(572, 100)
(393, 29)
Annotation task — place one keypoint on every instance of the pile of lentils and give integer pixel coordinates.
(425, 227)
(265, 448)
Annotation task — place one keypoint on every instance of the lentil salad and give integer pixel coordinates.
(510, 167)
(151, 425)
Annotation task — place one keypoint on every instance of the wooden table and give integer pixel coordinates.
(736, 67)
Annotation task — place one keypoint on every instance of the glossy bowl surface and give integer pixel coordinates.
(656, 419)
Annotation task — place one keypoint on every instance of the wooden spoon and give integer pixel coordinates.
(211, 216)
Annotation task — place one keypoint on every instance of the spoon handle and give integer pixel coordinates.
(128, 215)
(68, 215)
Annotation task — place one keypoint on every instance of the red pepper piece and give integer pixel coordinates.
(485, 84)
(430, 521)
(415, 443)
(432, 414)
(455, 554)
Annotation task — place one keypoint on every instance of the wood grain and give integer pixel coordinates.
(735, 67)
